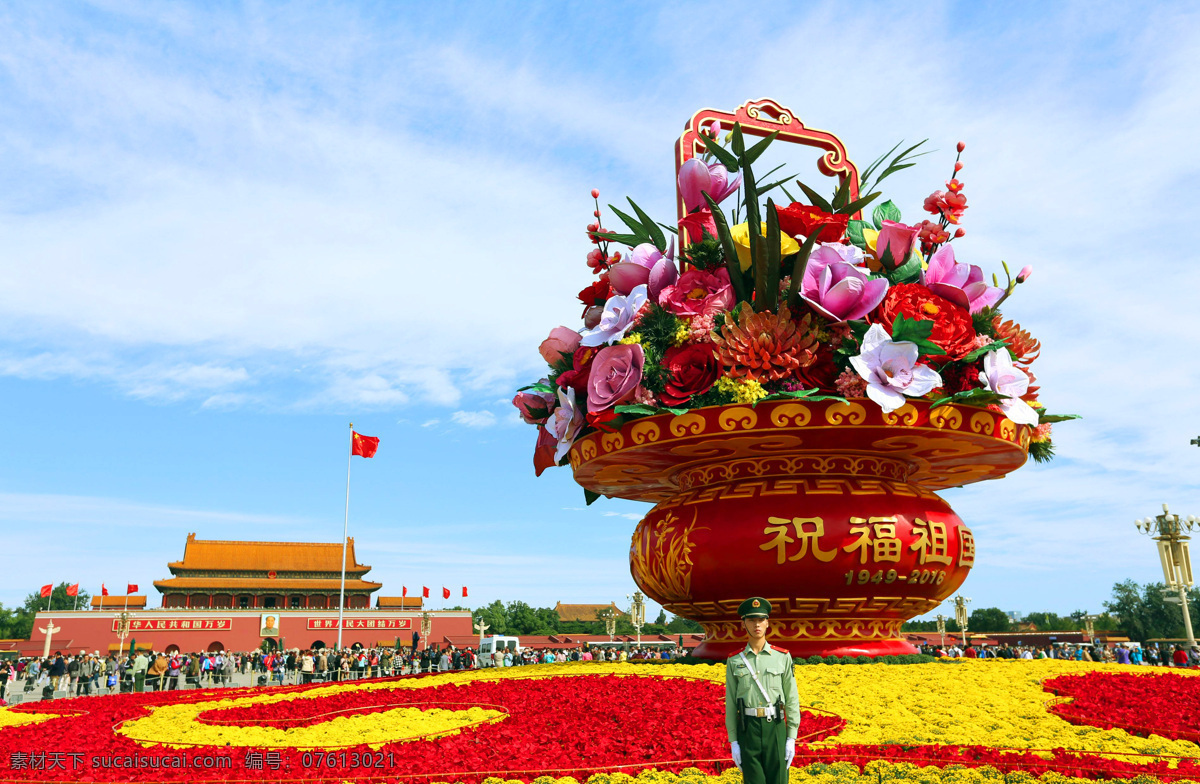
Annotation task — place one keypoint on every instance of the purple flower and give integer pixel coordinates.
(619, 314)
(616, 374)
(697, 178)
(836, 287)
(1001, 377)
(568, 421)
(962, 284)
(891, 371)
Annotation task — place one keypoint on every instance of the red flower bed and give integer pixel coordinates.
(555, 724)
(1165, 703)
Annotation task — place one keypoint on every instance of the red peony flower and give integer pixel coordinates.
(959, 378)
(953, 329)
(691, 370)
(596, 294)
(581, 368)
(803, 219)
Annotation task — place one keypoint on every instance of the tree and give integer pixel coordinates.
(661, 620)
(988, 619)
(59, 600)
(522, 619)
(494, 616)
(681, 625)
(1144, 613)
(1051, 622)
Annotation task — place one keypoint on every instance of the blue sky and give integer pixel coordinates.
(227, 229)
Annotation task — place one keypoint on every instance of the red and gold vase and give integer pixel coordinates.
(826, 508)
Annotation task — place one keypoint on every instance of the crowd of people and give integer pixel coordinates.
(85, 673)
(1121, 653)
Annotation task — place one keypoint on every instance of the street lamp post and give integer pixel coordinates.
(610, 622)
(1171, 532)
(1089, 622)
(960, 615)
(637, 613)
(123, 626)
(941, 627)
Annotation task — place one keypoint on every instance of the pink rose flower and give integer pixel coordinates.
(562, 340)
(616, 374)
(697, 292)
(535, 407)
(895, 243)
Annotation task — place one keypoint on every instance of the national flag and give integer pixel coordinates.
(445, 592)
(424, 592)
(103, 590)
(404, 591)
(130, 588)
(464, 591)
(73, 590)
(46, 589)
(363, 446)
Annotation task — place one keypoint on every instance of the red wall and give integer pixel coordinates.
(93, 630)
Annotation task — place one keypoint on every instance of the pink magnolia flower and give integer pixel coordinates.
(962, 284)
(647, 265)
(562, 340)
(1000, 376)
(533, 406)
(568, 420)
(836, 287)
(698, 291)
(891, 371)
(697, 178)
(616, 374)
(895, 243)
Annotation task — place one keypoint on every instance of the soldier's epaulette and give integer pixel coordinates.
(733, 655)
(781, 650)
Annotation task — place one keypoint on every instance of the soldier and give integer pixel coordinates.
(762, 706)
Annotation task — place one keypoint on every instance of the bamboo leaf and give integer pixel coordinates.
(736, 279)
(817, 200)
(624, 239)
(754, 152)
(798, 267)
(858, 204)
(842, 195)
(772, 262)
(738, 143)
(720, 153)
(634, 225)
(656, 235)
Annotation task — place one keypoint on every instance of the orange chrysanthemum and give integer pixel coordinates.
(1023, 345)
(765, 346)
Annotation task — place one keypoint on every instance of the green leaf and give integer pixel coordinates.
(540, 387)
(637, 409)
(817, 200)
(737, 142)
(763, 190)
(908, 272)
(622, 239)
(589, 496)
(854, 230)
(771, 263)
(971, 397)
(669, 228)
(979, 352)
(634, 225)
(656, 235)
(866, 175)
(1049, 419)
(798, 267)
(858, 204)
(758, 149)
(736, 278)
(885, 211)
(916, 331)
(785, 193)
(720, 153)
(842, 195)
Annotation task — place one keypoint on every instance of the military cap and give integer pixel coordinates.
(755, 607)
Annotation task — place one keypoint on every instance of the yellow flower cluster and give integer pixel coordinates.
(743, 390)
(683, 331)
(10, 718)
(631, 338)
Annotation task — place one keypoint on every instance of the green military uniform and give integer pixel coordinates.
(761, 737)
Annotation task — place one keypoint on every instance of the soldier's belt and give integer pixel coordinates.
(762, 713)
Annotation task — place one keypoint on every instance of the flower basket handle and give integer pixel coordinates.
(761, 118)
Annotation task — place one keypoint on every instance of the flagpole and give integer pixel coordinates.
(345, 534)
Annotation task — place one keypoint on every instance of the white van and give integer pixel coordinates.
(497, 643)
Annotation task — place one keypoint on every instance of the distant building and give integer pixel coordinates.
(586, 612)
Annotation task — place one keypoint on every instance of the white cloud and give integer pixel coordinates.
(473, 418)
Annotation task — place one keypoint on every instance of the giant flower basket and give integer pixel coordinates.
(790, 389)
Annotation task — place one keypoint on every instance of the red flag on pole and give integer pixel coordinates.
(424, 592)
(73, 590)
(364, 446)
(103, 590)
(131, 588)
(464, 591)
(404, 591)
(445, 592)
(46, 589)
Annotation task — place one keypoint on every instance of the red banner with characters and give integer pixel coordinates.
(361, 623)
(156, 625)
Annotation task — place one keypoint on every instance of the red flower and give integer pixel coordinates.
(596, 294)
(803, 219)
(959, 378)
(581, 368)
(691, 370)
(953, 329)
(698, 224)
